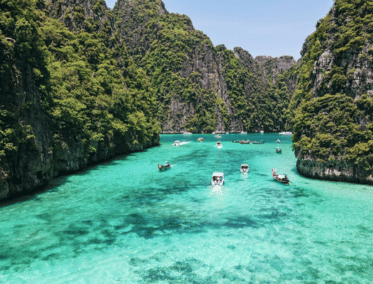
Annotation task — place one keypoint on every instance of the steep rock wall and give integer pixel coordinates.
(190, 74)
(333, 122)
(58, 117)
(334, 171)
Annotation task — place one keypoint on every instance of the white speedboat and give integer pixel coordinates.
(243, 132)
(219, 145)
(226, 132)
(217, 178)
(278, 141)
(286, 133)
(245, 168)
(176, 143)
(217, 136)
(261, 132)
(187, 133)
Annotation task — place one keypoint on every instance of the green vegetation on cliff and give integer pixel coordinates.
(258, 105)
(200, 88)
(68, 97)
(333, 121)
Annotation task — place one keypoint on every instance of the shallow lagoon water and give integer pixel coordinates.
(126, 222)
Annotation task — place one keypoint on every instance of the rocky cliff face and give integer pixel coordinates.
(270, 67)
(88, 15)
(194, 80)
(64, 102)
(338, 171)
(333, 126)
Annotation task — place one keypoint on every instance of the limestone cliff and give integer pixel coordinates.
(333, 123)
(65, 101)
(190, 75)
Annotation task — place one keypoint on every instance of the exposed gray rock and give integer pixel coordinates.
(334, 171)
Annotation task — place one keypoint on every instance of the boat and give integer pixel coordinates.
(218, 136)
(236, 141)
(176, 143)
(187, 133)
(243, 132)
(261, 132)
(219, 145)
(164, 166)
(217, 178)
(281, 178)
(255, 142)
(286, 133)
(245, 142)
(278, 150)
(244, 168)
(278, 141)
(201, 139)
(213, 133)
(226, 132)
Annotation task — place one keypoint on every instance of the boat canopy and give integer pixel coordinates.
(244, 166)
(286, 133)
(278, 148)
(218, 174)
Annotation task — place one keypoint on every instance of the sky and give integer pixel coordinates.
(262, 27)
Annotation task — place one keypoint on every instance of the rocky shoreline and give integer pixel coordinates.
(341, 172)
(68, 162)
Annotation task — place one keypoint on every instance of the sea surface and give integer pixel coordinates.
(126, 222)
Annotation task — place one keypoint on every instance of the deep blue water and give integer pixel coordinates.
(126, 222)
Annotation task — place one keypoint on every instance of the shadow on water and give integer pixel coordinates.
(61, 179)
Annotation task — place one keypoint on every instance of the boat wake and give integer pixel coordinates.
(216, 190)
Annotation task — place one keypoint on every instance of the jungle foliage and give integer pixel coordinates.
(183, 66)
(86, 95)
(333, 121)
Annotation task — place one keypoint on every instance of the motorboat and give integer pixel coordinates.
(261, 132)
(281, 178)
(213, 133)
(278, 150)
(245, 142)
(278, 141)
(164, 166)
(201, 139)
(219, 145)
(218, 136)
(255, 142)
(226, 132)
(187, 133)
(217, 178)
(244, 168)
(243, 132)
(286, 133)
(178, 143)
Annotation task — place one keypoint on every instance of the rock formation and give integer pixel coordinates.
(190, 75)
(333, 123)
(65, 101)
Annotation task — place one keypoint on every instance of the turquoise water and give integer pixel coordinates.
(126, 222)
